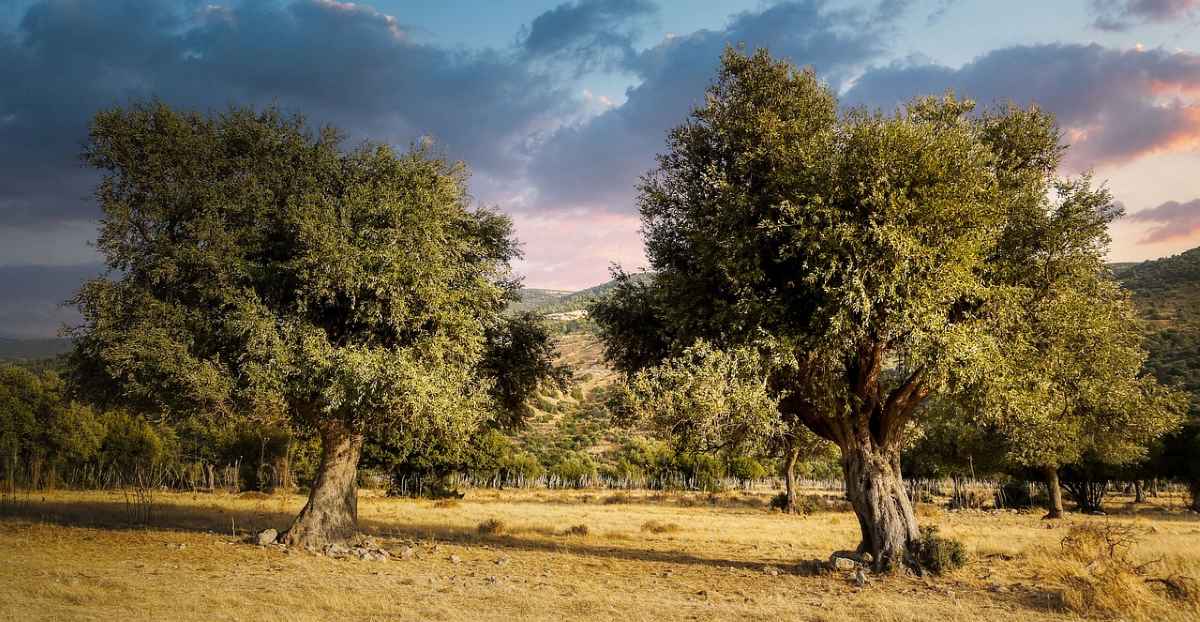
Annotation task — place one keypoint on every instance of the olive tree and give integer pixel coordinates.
(255, 267)
(871, 253)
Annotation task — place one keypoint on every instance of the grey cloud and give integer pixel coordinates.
(1118, 15)
(595, 165)
(338, 63)
(590, 33)
(34, 297)
(1114, 104)
(1174, 220)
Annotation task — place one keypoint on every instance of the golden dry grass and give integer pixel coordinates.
(68, 555)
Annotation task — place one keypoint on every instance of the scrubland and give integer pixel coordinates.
(591, 555)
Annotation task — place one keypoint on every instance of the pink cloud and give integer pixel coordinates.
(1174, 221)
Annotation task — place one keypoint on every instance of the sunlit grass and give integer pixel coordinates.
(72, 555)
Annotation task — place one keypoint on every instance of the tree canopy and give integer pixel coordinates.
(876, 260)
(257, 267)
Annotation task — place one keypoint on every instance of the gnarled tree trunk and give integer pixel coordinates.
(331, 514)
(885, 514)
(1139, 491)
(789, 476)
(1054, 504)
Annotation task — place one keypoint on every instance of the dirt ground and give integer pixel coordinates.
(645, 556)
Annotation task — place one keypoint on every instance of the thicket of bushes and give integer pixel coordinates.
(49, 440)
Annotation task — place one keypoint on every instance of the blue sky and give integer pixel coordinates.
(559, 106)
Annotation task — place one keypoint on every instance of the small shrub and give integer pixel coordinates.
(491, 527)
(576, 530)
(620, 497)
(446, 503)
(653, 526)
(939, 554)
(577, 393)
(805, 504)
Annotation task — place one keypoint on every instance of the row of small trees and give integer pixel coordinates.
(49, 439)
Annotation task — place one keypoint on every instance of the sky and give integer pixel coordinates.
(559, 107)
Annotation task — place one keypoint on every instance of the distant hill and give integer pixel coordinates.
(533, 298)
(1167, 294)
(21, 349)
(568, 302)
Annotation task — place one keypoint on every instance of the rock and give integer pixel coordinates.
(846, 561)
(843, 564)
(369, 542)
(337, 551)
(771, 571)
(454, 559)
(860, 577)
(407, 552)
(502, 561)
(266, 537)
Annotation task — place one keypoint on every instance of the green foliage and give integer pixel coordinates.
(876, 261)
(519, 357)
(132, 444)
(1167, 294)
(576, 469)
(703, 400)
(746, 469)
(352, 287)
(40, 426)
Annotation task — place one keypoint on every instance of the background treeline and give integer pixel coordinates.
(48, 439)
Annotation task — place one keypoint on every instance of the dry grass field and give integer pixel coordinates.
(72, 556)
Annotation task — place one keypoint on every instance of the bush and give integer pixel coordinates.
(805, 504)
(576, 530)
(653, 526)
(938, 554)
(746, 470)
(491, 527)
(575, 470)
(620, 497)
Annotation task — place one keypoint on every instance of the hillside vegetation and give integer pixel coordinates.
(1167, 294)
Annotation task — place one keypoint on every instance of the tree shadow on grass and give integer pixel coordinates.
(215, 517)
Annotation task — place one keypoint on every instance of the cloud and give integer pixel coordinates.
(1114, 105)
(337, 62)
(595, 164)
(1175, 221)
(589, 33)
(1118, 15)
(34, 297)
